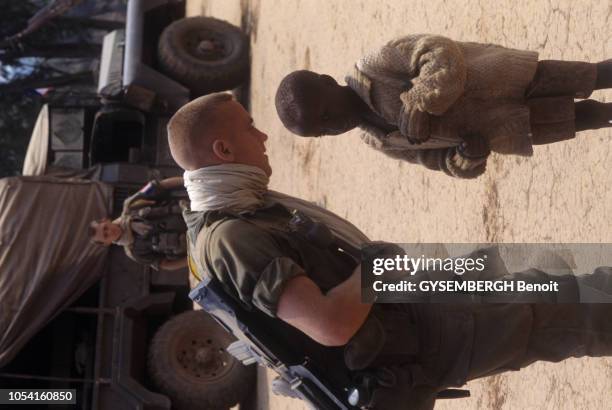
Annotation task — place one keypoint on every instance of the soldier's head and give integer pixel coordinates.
(213, 130)
(311, 105)
(104, 231)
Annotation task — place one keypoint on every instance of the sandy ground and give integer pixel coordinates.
(561, 194)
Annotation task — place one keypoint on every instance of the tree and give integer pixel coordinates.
(17, 116)
(40, 48)
(52, 9)
(48, 51)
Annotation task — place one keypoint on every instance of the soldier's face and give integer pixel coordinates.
(107, 232)
(244, 142)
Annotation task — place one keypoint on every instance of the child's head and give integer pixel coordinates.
(311, 104)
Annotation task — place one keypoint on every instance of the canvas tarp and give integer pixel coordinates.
(46, 257)
(36, 162)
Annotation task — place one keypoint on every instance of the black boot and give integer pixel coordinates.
(592, 115)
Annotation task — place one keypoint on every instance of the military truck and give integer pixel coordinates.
(77, 315)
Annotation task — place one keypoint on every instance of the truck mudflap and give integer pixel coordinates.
(126, 330)
(136, 72)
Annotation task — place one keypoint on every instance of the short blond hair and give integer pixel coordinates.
(191, 129)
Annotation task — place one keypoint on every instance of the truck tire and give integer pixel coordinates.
(189, 363)
(204, 54)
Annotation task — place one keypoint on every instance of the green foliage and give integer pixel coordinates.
(21, 64)
(17, 116)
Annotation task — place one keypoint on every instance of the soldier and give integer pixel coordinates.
(150, 228)
(444, 104)
(238, 232)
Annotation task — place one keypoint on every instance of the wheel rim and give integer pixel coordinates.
(203, 359)
(207, 45)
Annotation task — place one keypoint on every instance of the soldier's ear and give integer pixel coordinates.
(222, 149)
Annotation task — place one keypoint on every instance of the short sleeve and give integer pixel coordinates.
(271, 282)
(250, 260)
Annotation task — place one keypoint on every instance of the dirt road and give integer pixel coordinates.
(562, 194)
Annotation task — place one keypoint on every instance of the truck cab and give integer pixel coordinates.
(86, 317)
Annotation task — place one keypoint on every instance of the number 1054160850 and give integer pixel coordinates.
(40, 396)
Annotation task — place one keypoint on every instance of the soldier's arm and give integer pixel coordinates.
(143, 258)
(265, 274)
(127, 204)
(151, 191)
(171, 183)
(331, 319)
(173, 264)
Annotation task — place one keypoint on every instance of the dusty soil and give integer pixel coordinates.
(561, 194)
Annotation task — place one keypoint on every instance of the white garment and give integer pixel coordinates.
(242, 188)
(233, 187)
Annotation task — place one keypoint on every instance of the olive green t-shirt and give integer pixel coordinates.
(255, 255)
